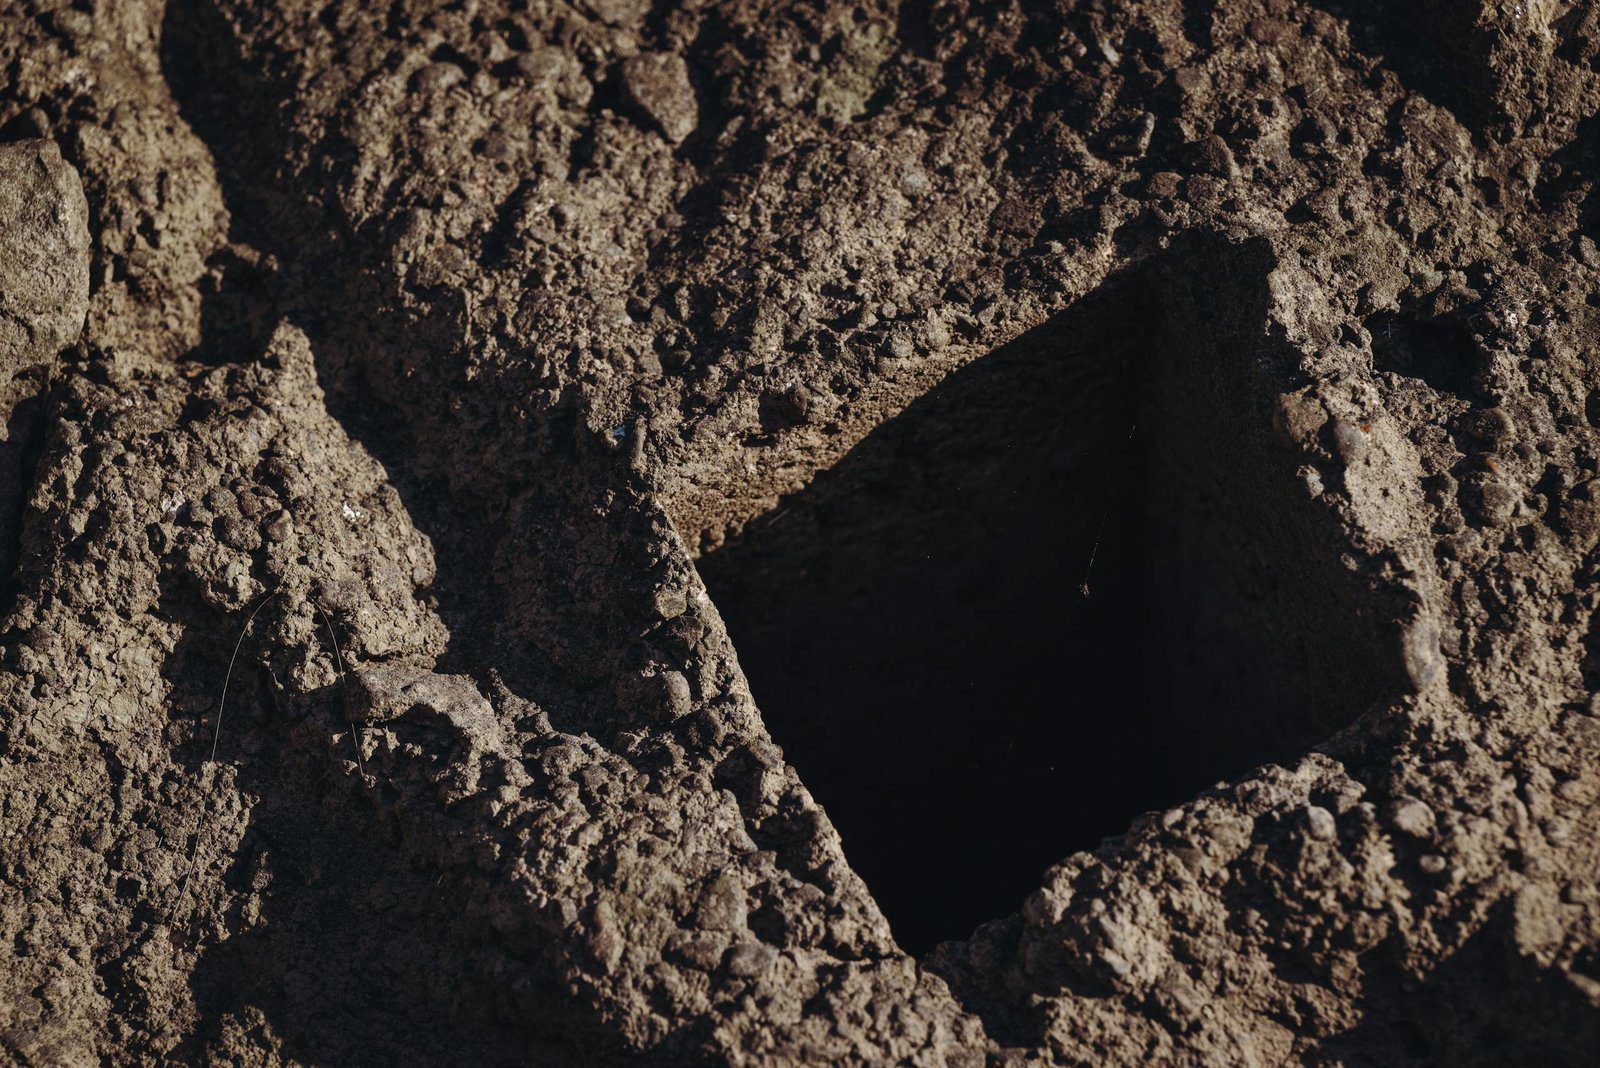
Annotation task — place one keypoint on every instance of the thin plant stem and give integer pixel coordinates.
(216, 732)
(344, 682)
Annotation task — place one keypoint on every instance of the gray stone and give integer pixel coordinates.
(1412, 817)
(1419, 648)
(1320, 824)
(44, 255)
(751, 959)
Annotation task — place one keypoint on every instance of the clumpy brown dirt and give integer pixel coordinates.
(634, 470)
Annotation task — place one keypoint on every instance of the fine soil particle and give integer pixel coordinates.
(949, 533)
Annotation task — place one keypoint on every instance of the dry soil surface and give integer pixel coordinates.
(560, 532)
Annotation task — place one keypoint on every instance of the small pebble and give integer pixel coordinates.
(935, 335)
(1412, 817)
(1267, 31)
(1349, 440)
(676, 697)
(898, 347)
(278, 526)
(537, 67)
(1115, 963)
(1164, 185)
(437, 77)
(1491, 426)
(792, 405)
(1192, 80)
(1494, 503)
(1044, 908)
(620, 12)
(697, 949)
(914, 182)
(238, 533)
(1320, 824)
(35, 123)
(1419, 648)
(1217, 158)
(750, 959)
(669, 602)
(722, 906)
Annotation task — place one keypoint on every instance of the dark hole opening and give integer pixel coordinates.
(1438, 351)
(914, 632)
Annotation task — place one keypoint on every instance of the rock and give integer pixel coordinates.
(44, 256)
(722, 905)
(747, 960)
(539, 66)
(700, 950)
(620, 12)
(1489, 426)
(659, 695)
(899, 347)
(1492, 502)
(1320, 824)
(657, 83)
(1412, 817)
(914, 182)
(1419, 647)
(935, 335)
(669, 602)
(1580, 514)
(1300, 418)
(677, 699)
(437, 77)
(1350, 441)
(605, 940)
(238, 533)
(384, 692)
(1216, 157)
(791, 406)
(279, 526)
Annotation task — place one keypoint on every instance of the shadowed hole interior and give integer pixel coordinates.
(1438, 351)
(914, 632)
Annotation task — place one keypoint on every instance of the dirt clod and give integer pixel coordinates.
(658, 84)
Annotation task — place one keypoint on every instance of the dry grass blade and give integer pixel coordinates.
(216, 731)
(222, 703)
(344, 681)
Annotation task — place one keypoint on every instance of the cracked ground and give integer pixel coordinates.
(952, 533)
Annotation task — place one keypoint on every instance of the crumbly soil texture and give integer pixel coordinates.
(953, 532)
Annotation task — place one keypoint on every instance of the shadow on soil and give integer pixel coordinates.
(1488, 1004)
(913, 627)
